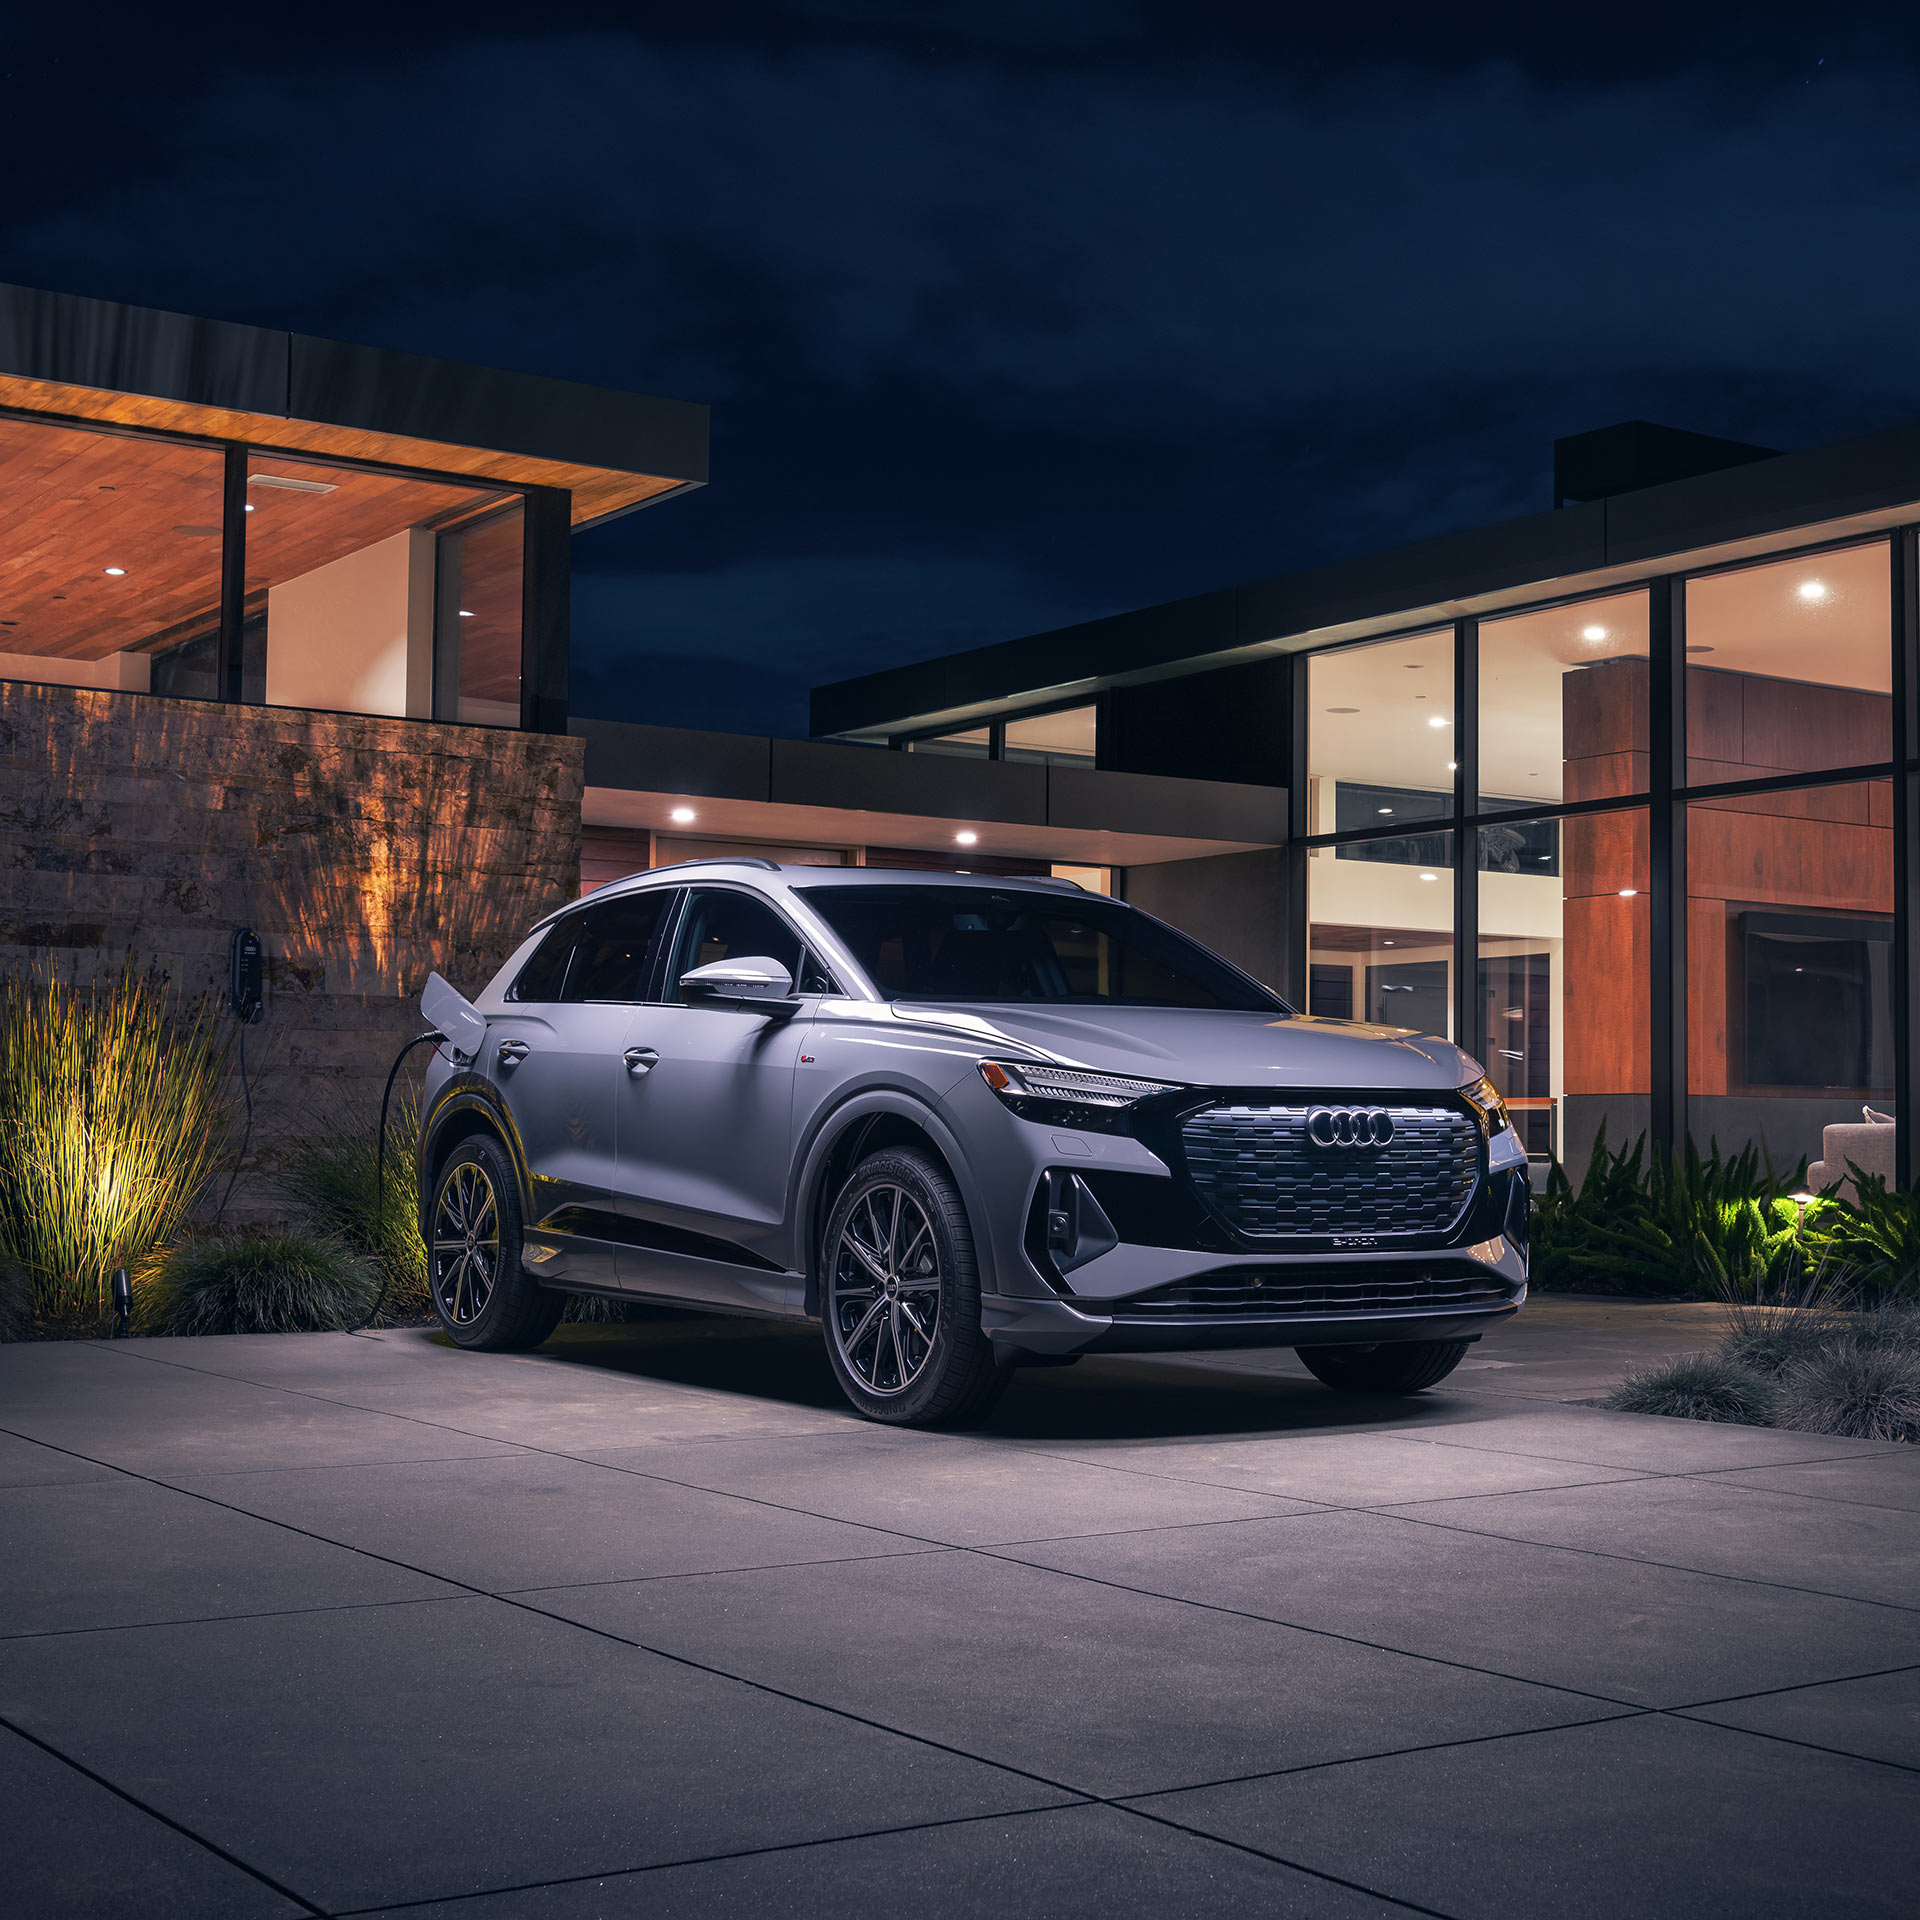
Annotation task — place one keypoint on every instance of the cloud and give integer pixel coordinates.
(1197, 236)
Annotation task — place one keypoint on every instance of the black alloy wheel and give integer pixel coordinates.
(482, 1296)
(901, 1297)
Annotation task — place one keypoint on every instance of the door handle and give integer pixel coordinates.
(641, 1060)
(512, 1052)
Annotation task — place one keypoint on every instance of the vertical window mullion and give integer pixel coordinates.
(1667, 861)
(228, 680)
(1904, 558)
(1466, 846)
(1295, 989)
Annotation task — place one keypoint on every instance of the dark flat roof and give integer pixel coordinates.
(73, 341)
(1765, 497)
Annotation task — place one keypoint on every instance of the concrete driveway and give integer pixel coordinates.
(646, 1624)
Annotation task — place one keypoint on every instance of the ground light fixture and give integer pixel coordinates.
(681, 816)
(122, 1285)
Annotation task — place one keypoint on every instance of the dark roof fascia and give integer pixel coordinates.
(76, 341)
(1765, 497)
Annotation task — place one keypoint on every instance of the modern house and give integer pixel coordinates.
(1621, 796)
(284, 647)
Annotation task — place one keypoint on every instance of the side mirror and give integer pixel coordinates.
(753, 984)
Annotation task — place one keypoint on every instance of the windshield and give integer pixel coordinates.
(971, 943)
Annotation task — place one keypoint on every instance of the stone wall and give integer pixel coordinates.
(364, 851)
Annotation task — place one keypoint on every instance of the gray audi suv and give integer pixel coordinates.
(966, 1123)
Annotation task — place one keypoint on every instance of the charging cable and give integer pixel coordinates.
(380, 1174)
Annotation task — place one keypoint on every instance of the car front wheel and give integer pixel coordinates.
(900, 1297)
(1402, 1366)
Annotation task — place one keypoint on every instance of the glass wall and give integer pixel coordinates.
(476, 661)
(1563, 992)
(342, 565)
(1380, 733)
(109, 556)
(1380, 942)
(1563, 703)
(1790, 667)
(1780, 867)
(1789, 951)
(1063, 739)
(971, 743)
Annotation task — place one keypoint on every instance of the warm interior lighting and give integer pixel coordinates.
(292, 485)
(116, 570)
(1629, 893)
(681, 816)
(1429, 876)
(967, 838)
(1593, 633)
(1438, 720)
(1386, 809)
(1813, 590)
(465, 615)
(249, 509)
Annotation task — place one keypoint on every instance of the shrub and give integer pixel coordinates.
(114, 1113)
(1878, 1236)
(335, 1180)
(263, 1282)
(1697, 1386)
(1695, 1225)
(596, 1309)
(1858, 1388)
(16, 1301)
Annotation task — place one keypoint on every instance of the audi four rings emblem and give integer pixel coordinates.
(1349, 1126)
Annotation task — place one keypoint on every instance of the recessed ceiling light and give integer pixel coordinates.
(1429, 876)
(1453, 766)
(1386, 809)
(464, 614)
(967, 838)
(1438, 720)
(1629, 893)
(1699, 649)
(1343, 709)
(681, 816)
(1386, 943)
(1412, 666)
(116, 570)
(1813, 590)
(249, 509)
(1593, 633)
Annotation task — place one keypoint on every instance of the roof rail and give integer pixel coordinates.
(717, 860)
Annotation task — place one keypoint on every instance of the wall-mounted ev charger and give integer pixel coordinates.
(246, 976)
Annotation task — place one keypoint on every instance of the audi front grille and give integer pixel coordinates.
(1321, 1168)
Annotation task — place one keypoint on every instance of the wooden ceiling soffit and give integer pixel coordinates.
(597, 491)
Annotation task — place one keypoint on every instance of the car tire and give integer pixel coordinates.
(1401, 1366)
(909, 1354)
(482, 1296)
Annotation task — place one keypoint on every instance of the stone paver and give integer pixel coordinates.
(645, 1623)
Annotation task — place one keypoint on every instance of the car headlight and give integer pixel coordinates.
(1486, 1096)
(1069, 1096)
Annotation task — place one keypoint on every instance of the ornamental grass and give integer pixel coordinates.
(253, 1281)
(1697, 1386)
(115, 1113)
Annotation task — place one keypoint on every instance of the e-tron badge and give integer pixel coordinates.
(1349, 1126)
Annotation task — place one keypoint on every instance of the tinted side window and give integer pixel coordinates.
(544, 977)
(730, 926)
(616, 956)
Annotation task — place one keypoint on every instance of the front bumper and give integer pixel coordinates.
(1060, 1329)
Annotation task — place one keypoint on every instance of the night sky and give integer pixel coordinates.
(1014, 312)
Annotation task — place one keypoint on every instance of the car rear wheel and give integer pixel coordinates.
(900, 1297)
(482, 1296)
(1402, 1366)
